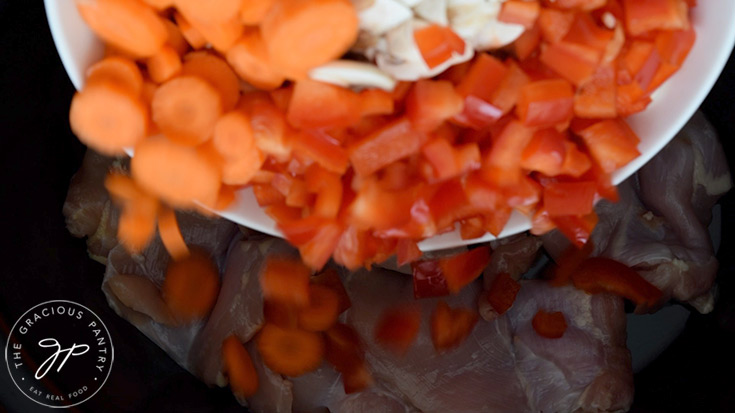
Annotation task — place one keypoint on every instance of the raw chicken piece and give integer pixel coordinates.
(659, 226)
(494, 369)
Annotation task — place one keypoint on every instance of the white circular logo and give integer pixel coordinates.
(59, 353)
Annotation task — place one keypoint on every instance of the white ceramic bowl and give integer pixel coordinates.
(673, 104)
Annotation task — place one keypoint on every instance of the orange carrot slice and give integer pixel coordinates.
(176, 174)
(252, 12)
(214, 70)
(136, 226)
(303, 34)
(108, 118)
(164, 65)
(191, 34)
(211, 11)
(330, 279)
(233, 136)
(451, 326)
(241, 170)
(281, 314)
(221, 35)
(322, 311)
(168, 229)
(286, 280)
(176, 39)
(239, 368)
(191, 286)
(118, 70)
(398, 327)
(160, 5)
(290, 352)
(249, 58)
(186, 109)
(128, 24)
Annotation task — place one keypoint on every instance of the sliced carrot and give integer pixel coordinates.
(164, 65)
(330, 279)
(177, 174)
(186, 109)
(303, 34)
(549, 325)
(239, 368)
(117, 70)
(108, 118)
(191, 286)
(281, 314)
(136, 227)
(322, 311)
(241, 170)
(285, 279)
(168, 229)
(398, 327)
(249, 58)
(123, 188)
(210, 11)
(290, 352)
(252, 12)
(160, 5)
(233, 136)
(227, 196)
(221, 35)
(190, 33)
(128, 24)
(357, 378)
(451, 326)
(217, 73)
(282, 97)
(176, 39)
(503, 292)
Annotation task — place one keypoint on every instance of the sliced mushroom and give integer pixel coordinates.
(497, 34)
(468, 17)
(383, 15)
(348, 73)
(434, 11)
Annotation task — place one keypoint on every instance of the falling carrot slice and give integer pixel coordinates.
(241, 170)
(168, 229)
(136, 227)
(177, 174)
(191, 286)
(233, 135)
(451, 326)
(164, 65)
(252, 12)
(322, 311)
(117, 70)
(186, 109)
(130, 25)
(239, 368)
(330, 279)
(211, 11)
(249, 58)
(303, 34)
(285, 280)
(191, 34)
(398, 327)
(217, 73)
(108, 118)
(290, 352)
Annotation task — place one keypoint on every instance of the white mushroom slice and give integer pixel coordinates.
(468, 17)
(383, 16)
(348, 73)
(434, 11)
(410, 3)
(497, 34)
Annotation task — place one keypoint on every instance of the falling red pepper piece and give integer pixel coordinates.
(503, 292)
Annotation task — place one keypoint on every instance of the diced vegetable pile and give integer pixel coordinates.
(214, 97)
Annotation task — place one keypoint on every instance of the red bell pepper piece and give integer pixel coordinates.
(569, 198)
(430, 103)
(599, 274)
(574, 62)
(482, 78)
(437, 44)
(428, 279)
(317, 105)
(388, 144)
(585, 31)
(376, 102)
(596, 98)
(321, 148)
(549, 324)
(451, 326)
(546, 103)
(398, 327)
(506, 94)
(462, 269)
(330, 278)
(527, 43)
(520, 12)
(502, 292)
(642, 16)
(554, 24)
(611, 143)
(568, 263)
(545, 152)
(577, 228)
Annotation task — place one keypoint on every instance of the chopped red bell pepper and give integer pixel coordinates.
(549, 324)
(545, 152)
(596, 98)
(451, 326)
(546, 103)
(428, 279)
(322, 148)
(315, 105)
(599, 274)
(462, 269)
(574, 62)
(437, 44)
(569, 198)
(611, 143)
(398, 327)
(502, 292)
(642, 16)
(568, 263)
(554, 24)
(482, 78)
(520, 12)
(577, 228)
(430, 103)
(330, 279)
(388, 144)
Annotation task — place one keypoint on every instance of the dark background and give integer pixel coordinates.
(40, 261)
